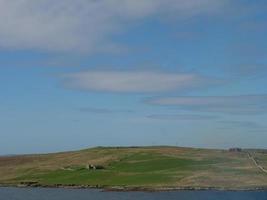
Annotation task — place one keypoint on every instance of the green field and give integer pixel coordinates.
(142, 167)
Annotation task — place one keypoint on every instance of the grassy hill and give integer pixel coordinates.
(142, 167)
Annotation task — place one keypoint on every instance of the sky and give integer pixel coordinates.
(85, 73)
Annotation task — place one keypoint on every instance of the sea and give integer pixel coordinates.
(91, 194)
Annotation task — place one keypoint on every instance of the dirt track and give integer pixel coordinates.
(256, 163)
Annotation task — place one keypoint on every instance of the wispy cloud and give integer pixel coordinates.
(133, 81)
(243, 104)
(186, 117)
(84, 25)
(246, 125)
(102, 110)
(247, 69)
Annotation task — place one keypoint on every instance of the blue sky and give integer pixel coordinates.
(77, 74)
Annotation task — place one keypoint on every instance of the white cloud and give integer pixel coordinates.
(132, 81)
(244, 104)
(83, 25)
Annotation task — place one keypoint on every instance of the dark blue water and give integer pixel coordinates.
(69, 194)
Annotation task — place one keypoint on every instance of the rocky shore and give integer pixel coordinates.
(129, 188)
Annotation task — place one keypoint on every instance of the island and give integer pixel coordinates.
(139, 168)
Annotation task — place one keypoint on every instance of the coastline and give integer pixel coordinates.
(132, 188)
(141, 169)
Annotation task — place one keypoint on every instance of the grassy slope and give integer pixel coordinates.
(155, 167)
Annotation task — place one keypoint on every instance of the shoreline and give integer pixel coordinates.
(133, 189)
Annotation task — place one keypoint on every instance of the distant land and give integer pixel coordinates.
(139, 168)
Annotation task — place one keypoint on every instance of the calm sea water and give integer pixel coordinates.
(68, 194)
